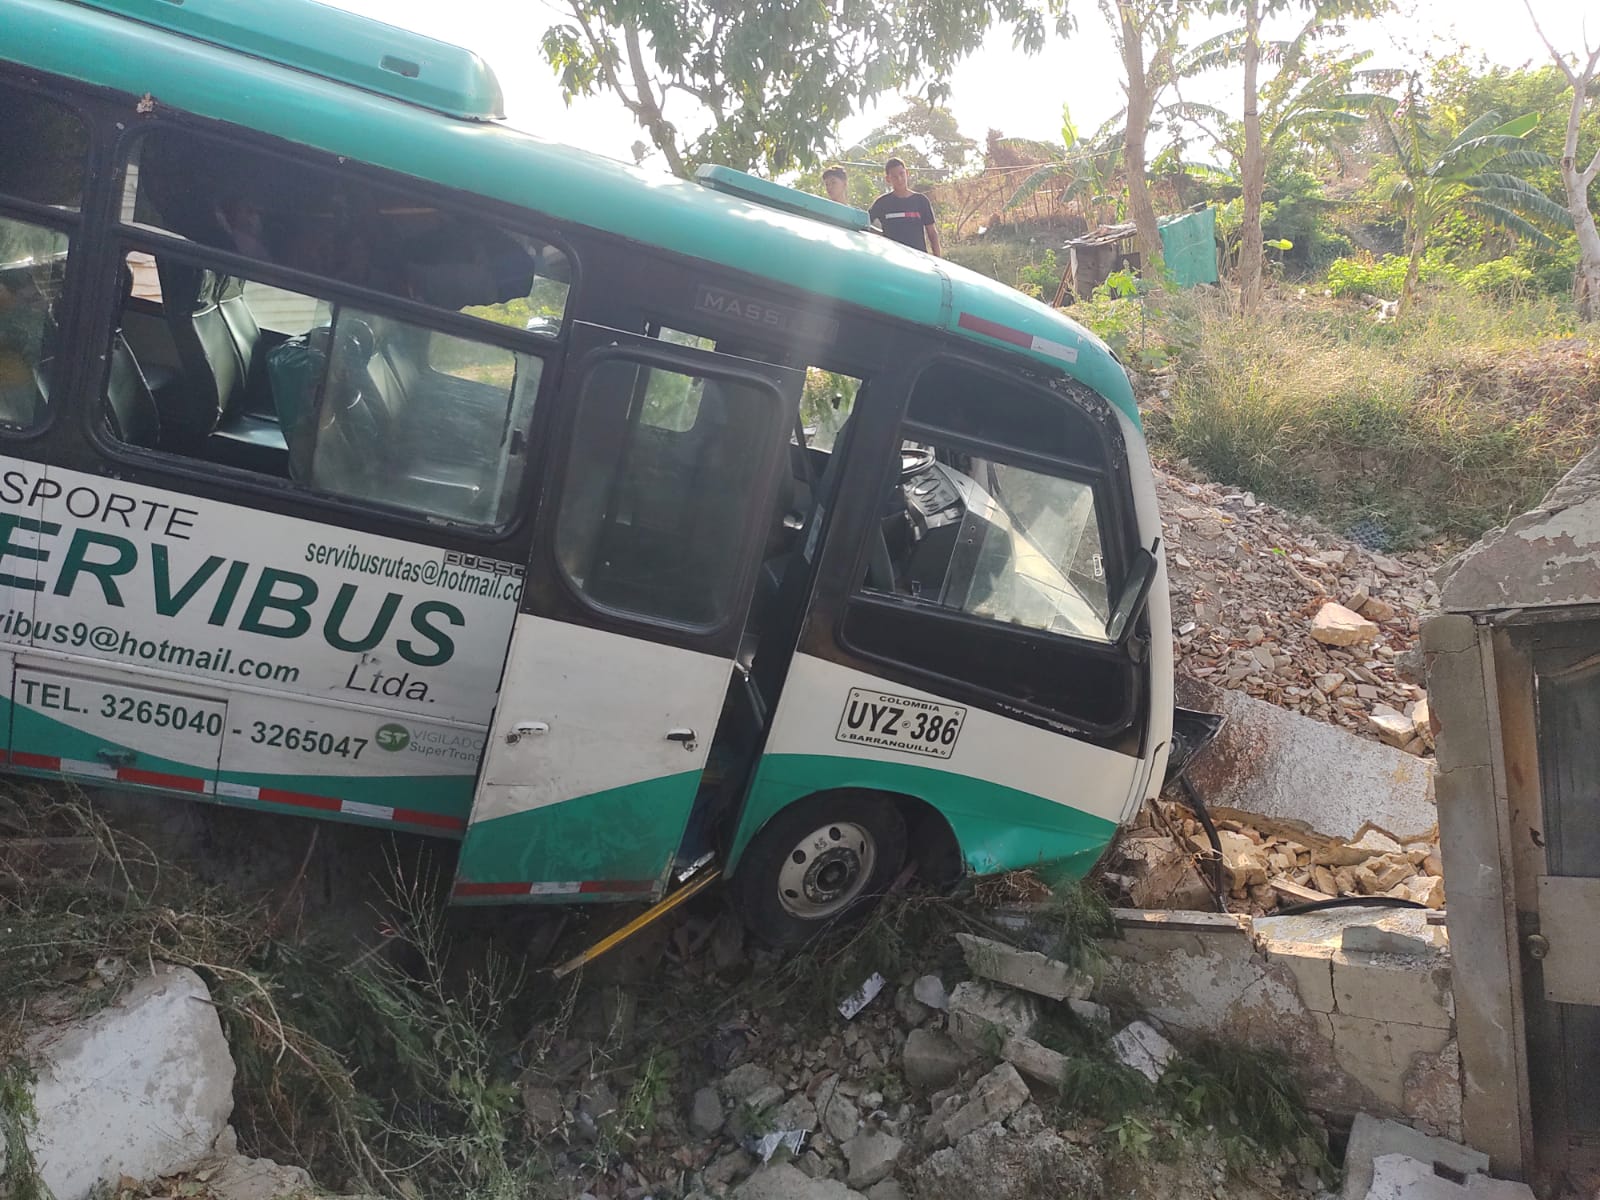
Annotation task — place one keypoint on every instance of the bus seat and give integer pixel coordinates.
(215, 338)
(130, 405)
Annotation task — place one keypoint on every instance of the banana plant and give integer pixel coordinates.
(1471, 172)
(1085, 170)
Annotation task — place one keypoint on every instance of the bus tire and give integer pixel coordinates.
(817, 863)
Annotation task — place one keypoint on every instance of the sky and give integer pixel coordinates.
(996, 88)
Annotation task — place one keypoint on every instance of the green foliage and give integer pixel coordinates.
(1125, 325)
(771, 79)
(1383, 277)
(1084, 171)
(922, 135)
(826, 402)
(1442, 174)
(388, 1078)
(1040, 279)
(1500, 279)
(1248, 1094)
(19, 1178)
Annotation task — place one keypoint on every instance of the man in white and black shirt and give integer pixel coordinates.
(905, 215)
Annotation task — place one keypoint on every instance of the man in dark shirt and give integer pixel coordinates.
(905, 215)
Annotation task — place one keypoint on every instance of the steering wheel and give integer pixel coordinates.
(915, 458)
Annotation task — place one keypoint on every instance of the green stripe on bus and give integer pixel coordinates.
(631, 832)
(568, 184)
(445, 796)
(998, 828)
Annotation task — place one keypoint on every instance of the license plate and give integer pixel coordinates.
(900, 723)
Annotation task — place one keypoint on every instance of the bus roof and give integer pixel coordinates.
(735, 230)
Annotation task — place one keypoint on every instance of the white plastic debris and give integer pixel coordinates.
(1139, 1046)
(861, 997)
(765, 1146)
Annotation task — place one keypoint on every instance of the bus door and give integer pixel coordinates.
(649, 539)
(976, 641)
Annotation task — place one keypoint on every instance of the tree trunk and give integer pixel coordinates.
(1141, 100)
(1254, 168)
(1576, 181)
(1586, 284)
(1408, 290)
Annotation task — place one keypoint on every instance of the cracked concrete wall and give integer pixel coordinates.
(1548, 556)
(1372, 1032)
(1473, 841)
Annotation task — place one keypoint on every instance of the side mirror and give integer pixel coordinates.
(1135, 591)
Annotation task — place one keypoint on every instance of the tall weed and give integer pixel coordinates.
(1443, 423)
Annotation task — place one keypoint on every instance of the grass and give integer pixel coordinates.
(1436, 426)
(387, 1080)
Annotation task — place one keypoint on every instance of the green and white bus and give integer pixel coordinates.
(364, 458)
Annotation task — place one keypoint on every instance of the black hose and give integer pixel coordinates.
(1295, 910)
(1203, 815)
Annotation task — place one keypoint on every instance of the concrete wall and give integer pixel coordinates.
(1373, 1030)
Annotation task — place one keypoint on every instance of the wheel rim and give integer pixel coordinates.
(826, 870)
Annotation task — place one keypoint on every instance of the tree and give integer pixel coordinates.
(1085, 169)
(771, 79)
(1575, 181)
(925, 136)
(1306, 95)
(1471, 173)
(1146, 33)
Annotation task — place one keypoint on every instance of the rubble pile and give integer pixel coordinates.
(1162, 859)
(923, 1091)
(1276, 606)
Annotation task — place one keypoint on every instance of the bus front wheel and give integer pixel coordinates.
(818, 862)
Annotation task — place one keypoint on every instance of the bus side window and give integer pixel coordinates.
(43, 149)
(317, 383)
(344, 226)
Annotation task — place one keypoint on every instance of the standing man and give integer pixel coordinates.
(905, 215)
(836, 184)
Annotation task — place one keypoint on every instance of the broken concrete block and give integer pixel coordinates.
(1401, 1177)
(982, 1015)
(929, 990)
(995, 1163)
(1278, 764)
(994, 1098)
(1371, 1138)
(1140, 1047)
(838, 1112)
(1163, 874)
(1034, 1060)
(142, 1088)
(871, 1157)
(1377, 610)
(1336, 625)
(705, 1114)
(931, 1059)
(1088, 1010)
(1379, 939)
(1422, 718)
(241, 1178)
(1427, 890)
(1393, 728)
(784, 1182)
(745, 1080)
(1026, 970)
